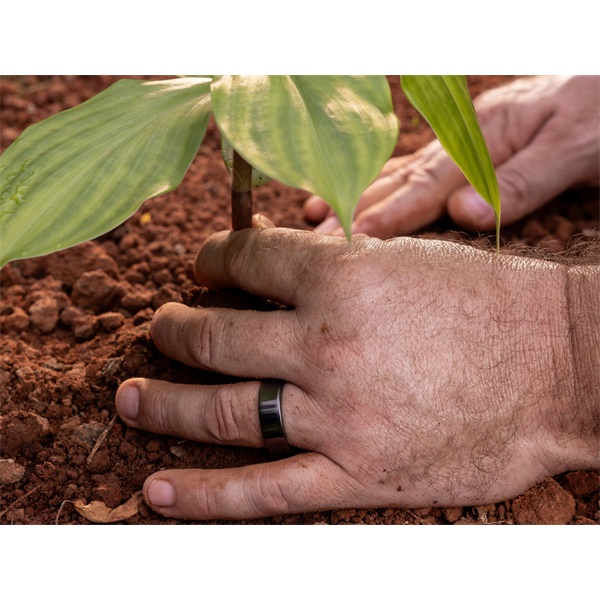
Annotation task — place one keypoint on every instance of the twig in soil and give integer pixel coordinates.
(415, 516)
(100, 440)
(60, 510)
(11, 506)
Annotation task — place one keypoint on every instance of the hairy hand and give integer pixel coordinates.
(419, 374)
(542, 134)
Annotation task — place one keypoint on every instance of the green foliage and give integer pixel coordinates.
(325, 134)
(445, 103)
(84, 171)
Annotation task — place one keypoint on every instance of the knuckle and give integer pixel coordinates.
(270, 498)
(490, 102)
(220, 418)
(487, 107)
(423, 176)
(206, 504)
(157, 411)
(205, 340)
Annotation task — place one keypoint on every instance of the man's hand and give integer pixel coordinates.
(542, 134)
(419, 373)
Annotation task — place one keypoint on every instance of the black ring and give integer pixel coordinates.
(271, 418)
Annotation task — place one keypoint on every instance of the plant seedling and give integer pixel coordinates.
(82, 172)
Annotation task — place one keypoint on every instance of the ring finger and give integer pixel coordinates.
(226, 414)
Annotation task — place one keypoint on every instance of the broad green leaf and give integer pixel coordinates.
(445, 103)
(329, 135)
(82, 172)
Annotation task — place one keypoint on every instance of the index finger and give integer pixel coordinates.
(274, 263)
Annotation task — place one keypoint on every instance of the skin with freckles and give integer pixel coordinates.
(419, 373)
(542, 135)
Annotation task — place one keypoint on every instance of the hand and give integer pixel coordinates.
(419, 373)
(542, 134)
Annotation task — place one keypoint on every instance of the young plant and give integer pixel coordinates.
(82, 172)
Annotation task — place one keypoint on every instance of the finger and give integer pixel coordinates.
(411, 197)
(395, 163)
(330, 226)
(276, 263)
(527, 181)
(242, 343)
(261, 222)
(304, 483)
(392, 176)
(318, 211)
(226, 414)
(469, 210)
(315, 209)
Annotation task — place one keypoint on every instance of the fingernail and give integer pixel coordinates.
(477, 207)
(128, 401)
(328, 225)
(261, 222)
(161, 493)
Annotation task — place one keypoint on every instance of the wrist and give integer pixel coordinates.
(583, 284)
(571, 416)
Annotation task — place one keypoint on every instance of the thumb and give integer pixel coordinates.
(469, 210)
(527, 181)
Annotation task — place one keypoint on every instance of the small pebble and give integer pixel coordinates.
(44, 314)
(545, 504)
(10, 471)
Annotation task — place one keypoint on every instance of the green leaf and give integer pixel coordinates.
(329, 135)
(445, 103)
(82, 172)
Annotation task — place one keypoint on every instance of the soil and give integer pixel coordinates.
(75, 324)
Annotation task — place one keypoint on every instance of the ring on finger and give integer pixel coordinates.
(271, 417)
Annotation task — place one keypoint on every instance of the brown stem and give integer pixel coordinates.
(241, 193)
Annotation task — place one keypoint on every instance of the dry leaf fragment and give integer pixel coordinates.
(98, 512)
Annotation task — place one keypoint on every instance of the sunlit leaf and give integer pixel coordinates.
(329, 135)
(445, 102)
(83, 171)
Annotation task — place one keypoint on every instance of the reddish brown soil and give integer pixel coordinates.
(75, 324)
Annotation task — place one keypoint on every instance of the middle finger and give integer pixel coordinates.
(242, 343)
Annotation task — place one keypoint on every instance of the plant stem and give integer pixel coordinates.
(241, 193)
